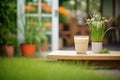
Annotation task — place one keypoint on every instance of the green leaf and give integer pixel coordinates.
(104, 51)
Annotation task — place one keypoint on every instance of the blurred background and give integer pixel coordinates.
(55, 22)
(77, 13)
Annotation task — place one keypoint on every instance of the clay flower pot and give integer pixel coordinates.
(9, 50)
(28, 50)
(44, 46)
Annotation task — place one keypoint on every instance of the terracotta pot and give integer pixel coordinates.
(28, 50)
(9, 50)
(44, 46)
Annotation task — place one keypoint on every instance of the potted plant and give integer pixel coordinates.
(97, 30)
(32, 37)
(7, 41)
(2, 41)
(10, 40)
(7, 28)
(44, 42)
(32, 33)
(46, 27)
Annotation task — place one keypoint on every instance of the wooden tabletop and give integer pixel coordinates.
(72, 55)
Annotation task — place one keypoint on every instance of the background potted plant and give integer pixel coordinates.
(10, 38)
(46, 26)
(32, 37)
(97, 30)
(7, 27)
(44, 42)
(34, 33)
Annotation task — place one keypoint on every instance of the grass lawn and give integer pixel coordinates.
(21, 68)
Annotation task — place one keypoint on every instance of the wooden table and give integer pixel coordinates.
(99, 59)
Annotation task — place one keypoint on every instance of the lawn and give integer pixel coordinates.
(21, 68)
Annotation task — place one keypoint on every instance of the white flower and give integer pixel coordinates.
(92, 19)
(88, 20)
(106, 20)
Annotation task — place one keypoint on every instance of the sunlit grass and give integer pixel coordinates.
(38, 69)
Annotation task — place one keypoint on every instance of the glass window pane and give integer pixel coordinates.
(31, 6)
(38, 16)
